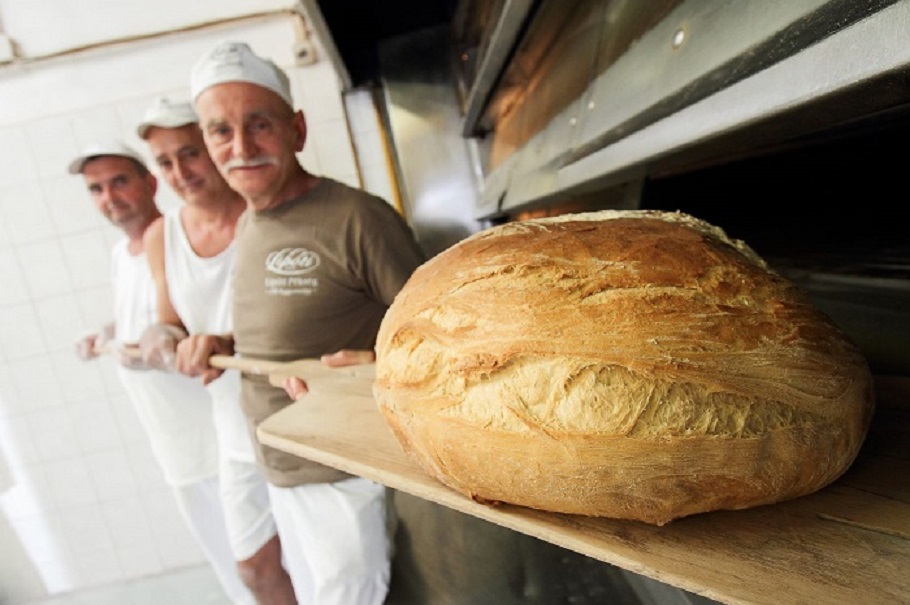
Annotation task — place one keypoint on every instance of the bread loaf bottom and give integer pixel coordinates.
(628, 364)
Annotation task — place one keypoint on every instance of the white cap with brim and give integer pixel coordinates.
(97, 150)
(236, 62)
(165, 113)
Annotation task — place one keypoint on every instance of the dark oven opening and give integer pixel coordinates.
(830, 215)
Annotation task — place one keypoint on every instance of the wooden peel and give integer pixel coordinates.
(316, 374)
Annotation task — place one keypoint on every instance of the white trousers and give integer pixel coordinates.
(247, 507)
(200, 505)
(335, 540)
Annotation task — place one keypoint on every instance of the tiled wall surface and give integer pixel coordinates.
(82, 502)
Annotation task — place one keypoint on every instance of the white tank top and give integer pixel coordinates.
(200, 291)
(174, 410)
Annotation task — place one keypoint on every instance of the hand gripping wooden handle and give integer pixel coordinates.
(261, 367)
(313, 372)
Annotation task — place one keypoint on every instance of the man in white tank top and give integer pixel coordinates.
(174, 410)
(191, 256)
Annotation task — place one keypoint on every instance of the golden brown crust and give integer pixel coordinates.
(633, 364)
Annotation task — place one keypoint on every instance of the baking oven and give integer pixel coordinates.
(781, 122)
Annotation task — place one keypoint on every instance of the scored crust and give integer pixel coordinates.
(628, 364)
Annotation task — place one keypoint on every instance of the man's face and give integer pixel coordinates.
(253, 137)
(185, 163)
(121, 192)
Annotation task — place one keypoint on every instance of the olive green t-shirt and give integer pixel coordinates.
(313, 276)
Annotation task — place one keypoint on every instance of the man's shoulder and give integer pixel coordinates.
(370, 204)
(120, 247)
(153, 236)
(333, 189)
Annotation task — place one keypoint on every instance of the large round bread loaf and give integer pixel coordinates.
(627, 364)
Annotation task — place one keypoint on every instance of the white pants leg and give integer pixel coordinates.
(247, 507)
(244, 490)
(200, 505)
(335, 540)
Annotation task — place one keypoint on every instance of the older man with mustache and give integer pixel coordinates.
(318, 264)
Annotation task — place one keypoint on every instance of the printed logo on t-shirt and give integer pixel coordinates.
(286, 271)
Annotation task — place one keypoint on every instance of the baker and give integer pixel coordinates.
(318, 263)
(191, 256)
(174, 410)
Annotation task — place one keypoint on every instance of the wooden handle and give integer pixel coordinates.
(261, 367)
(128, 349)
(316, 374)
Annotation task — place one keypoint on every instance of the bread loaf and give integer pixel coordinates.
(627, 364)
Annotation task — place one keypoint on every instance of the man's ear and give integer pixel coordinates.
(300, 131)
(152, 182)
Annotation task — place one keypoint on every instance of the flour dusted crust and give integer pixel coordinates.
(627, 364)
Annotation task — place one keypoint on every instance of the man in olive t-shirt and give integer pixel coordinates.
(317, 265)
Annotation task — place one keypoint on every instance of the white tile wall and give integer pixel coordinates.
(22, 501)
(45, 269)
(30, 377)
(84, 253)
(14, 291)
(333, 149)
(57, 445)
(81, 381)
(81, 495)
(97, 431)
(20, 334)
(317, 92)
(58, 318)
(369, 145)
(95, 306)
(53, 144)
(16, 162)
(19, 451)
(25, 213)
(126, 520)
(71, 210)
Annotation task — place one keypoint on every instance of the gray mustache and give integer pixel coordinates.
(249, 163)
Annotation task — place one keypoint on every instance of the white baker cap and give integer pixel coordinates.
(165, 113)
(96, 150)
(236, 62)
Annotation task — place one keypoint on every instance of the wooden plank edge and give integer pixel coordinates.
(524, 520)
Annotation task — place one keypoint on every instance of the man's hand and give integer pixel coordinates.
(194, 351)
(348, 357)
(87, 347)
(96, 344)
(127, 355)
(158, 346)
(297, 388)
(93, 344)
